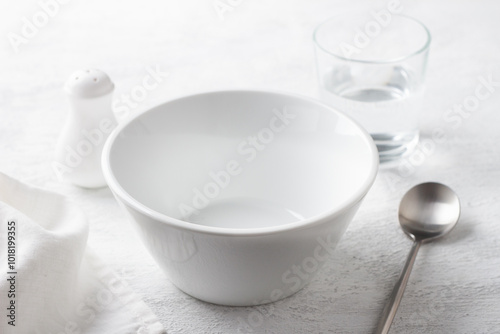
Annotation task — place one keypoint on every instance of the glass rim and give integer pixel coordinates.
(364, 61)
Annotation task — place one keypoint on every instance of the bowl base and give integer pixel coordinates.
(232, 302)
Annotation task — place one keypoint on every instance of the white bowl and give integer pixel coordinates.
(240, 196)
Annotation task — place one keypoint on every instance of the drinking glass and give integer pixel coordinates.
(371, 66)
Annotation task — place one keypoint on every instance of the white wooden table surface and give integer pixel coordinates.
(455, 284)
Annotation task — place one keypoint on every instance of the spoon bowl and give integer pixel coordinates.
(428, 211)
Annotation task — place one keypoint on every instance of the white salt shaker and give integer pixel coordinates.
(90, 121)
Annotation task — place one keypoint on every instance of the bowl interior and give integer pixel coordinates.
(241, 159)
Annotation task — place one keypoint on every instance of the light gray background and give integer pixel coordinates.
(455, 285)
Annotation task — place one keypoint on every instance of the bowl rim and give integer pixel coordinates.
(124, 196)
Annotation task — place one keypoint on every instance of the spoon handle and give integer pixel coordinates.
(393, 303)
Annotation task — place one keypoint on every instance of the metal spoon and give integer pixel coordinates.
(427, 211)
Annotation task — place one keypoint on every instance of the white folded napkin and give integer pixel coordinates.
(49, 281)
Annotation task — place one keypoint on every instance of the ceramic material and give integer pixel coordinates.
(240, 196)
(90, 121)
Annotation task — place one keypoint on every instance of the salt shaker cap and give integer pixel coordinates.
(89, 83)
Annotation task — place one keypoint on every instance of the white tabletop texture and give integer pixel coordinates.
(455, 284)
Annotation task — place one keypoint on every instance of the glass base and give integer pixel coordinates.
(394, 146)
